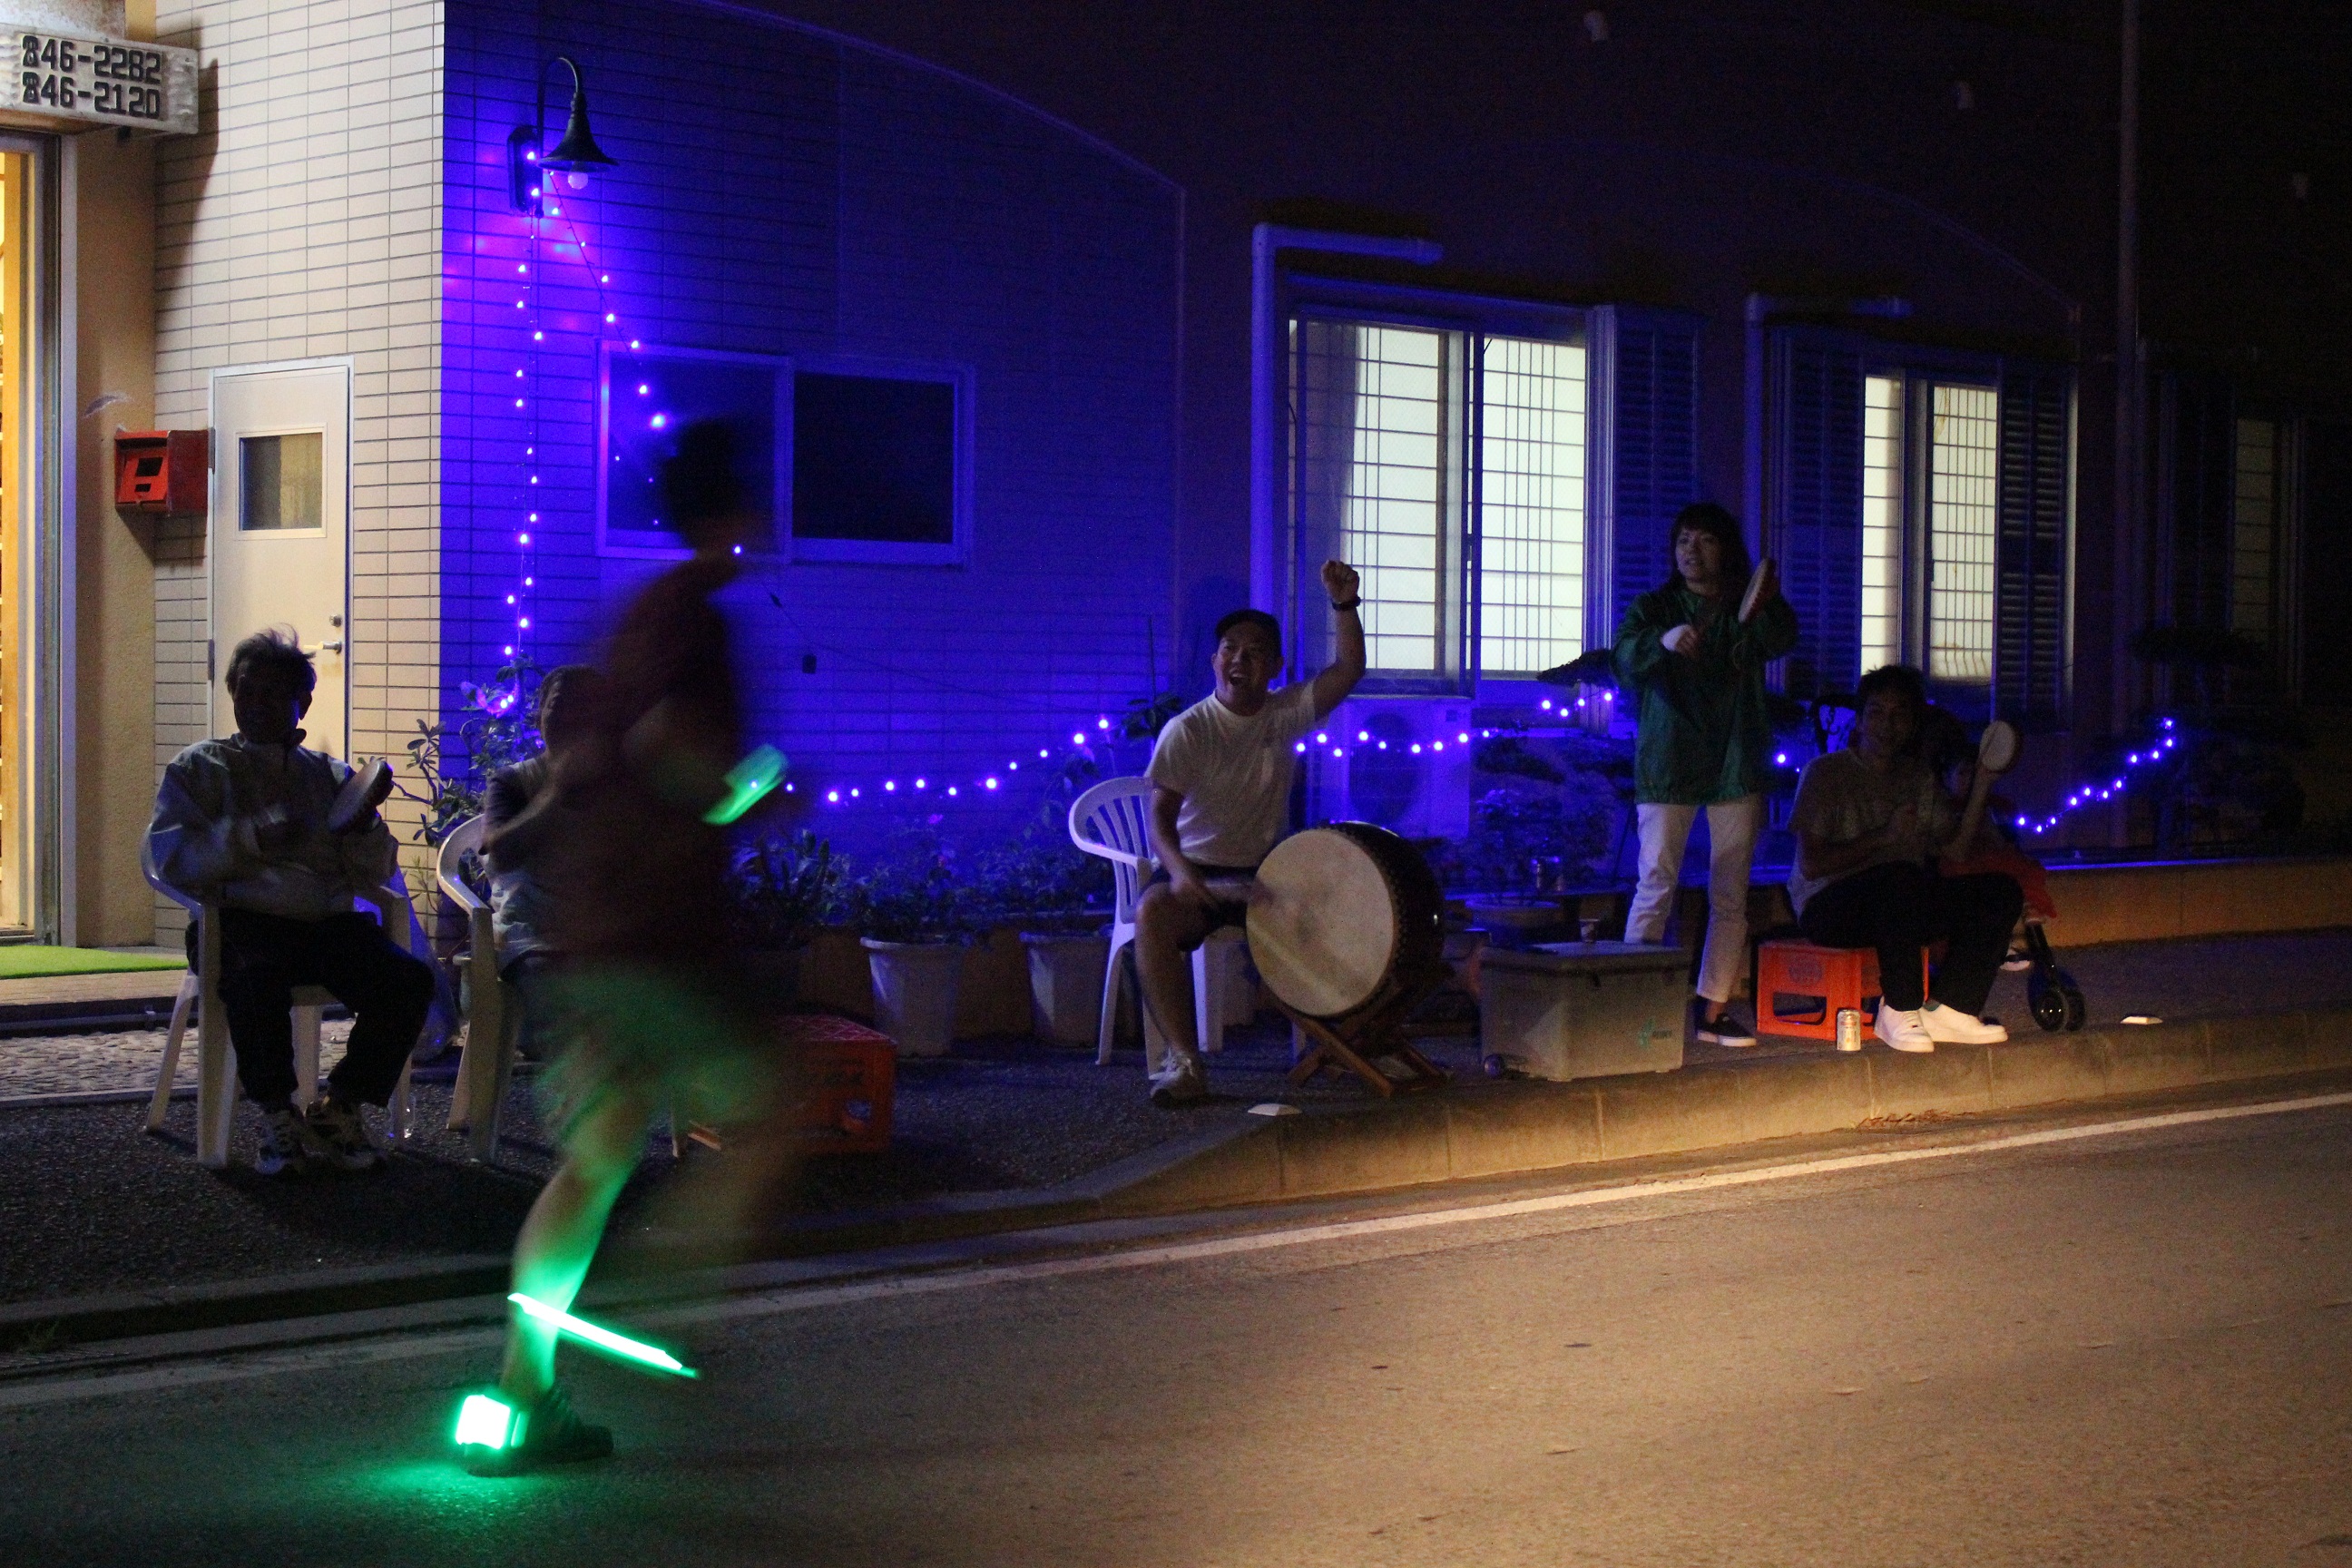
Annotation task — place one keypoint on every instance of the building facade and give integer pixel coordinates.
(1067, 328)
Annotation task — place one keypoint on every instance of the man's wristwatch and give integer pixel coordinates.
(1350, 604)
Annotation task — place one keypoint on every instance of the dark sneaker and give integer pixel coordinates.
(548, 1433)
(1724, 1029)
(1182, 1082)
(289, 1145)
(340, 1134)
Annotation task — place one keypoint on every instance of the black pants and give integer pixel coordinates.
(1900, 909)
(388, 989)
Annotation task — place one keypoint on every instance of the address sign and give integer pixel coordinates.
(100, 82)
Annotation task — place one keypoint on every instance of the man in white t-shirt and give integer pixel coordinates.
(1221, 796)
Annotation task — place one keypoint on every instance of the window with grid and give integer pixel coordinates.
(1376, 432)
(1386, 461)
(1530, 504)
(1881, 520)
(1963, 519)
(2253, 530)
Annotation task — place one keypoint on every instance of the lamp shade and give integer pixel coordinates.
(578, 150)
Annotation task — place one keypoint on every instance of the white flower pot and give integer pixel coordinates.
(1066, 984)
(915, 987)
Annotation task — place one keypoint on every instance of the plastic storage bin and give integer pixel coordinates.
(1575, 1009)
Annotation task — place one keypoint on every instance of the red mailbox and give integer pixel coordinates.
(162, 472)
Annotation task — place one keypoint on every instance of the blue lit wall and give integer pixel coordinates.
(784, 192)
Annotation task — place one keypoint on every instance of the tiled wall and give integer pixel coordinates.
(304, 222)
(783, 192)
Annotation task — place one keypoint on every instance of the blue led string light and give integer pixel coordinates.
(2096, 794)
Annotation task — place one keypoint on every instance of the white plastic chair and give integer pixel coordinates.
(1113, 820)
(485, 1065)
(215, 1059)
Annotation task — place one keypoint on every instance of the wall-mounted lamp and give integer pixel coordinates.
(574, 157)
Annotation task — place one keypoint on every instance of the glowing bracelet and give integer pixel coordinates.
(604, 1339)
(748, 783)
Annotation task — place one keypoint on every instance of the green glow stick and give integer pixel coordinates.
(485, 1421)
(747, 783)
(604, 1339)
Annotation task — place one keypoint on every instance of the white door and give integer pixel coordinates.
(281, 527)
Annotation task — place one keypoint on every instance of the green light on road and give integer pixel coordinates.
(484, 1421)
(604, 1339)
(748, 781)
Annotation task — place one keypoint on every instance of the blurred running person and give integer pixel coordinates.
(642, 925)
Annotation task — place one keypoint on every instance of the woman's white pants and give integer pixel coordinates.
(1731, 829)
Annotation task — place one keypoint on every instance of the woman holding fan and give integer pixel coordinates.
(1692, 651)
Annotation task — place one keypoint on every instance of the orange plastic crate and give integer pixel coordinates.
(1801, 988)
(848, 1075)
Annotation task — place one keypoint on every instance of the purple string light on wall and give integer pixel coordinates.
(2097, 793)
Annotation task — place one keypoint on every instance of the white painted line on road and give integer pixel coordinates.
(345, 1354)
(1511, 1208)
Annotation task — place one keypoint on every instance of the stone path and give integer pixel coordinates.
(36, 1067)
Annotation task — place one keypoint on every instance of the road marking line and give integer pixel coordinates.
(347, 1353)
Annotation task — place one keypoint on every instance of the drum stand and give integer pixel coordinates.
(1371, 1042)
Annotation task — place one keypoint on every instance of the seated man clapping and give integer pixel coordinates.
(1221, 777)
(244, 822)
(1868, 819)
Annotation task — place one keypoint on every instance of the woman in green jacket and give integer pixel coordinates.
(1694, 653)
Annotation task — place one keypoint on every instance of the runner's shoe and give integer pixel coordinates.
(288, 1146)
(340, 1134)
(548, 1433)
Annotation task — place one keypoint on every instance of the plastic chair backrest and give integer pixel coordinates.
(155, 880)
(1113, 820)
(449, 866)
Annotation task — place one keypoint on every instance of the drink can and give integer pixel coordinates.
(1849, 1030)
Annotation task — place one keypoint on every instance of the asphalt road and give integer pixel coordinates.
(2134, 1348)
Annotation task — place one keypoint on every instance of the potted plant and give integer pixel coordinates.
(1045, 887)
(915, 918)
(784, 886)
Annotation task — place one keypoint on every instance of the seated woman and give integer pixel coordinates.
(1944, 745)
(1868, 820)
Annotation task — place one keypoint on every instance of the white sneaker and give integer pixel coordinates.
(1901, 1030)
(1181, 1082)
(1955, 1027)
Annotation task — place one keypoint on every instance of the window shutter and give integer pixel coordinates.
(2031, 595)
(1645, 451)
(1817, 513)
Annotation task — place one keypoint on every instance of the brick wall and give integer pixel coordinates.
(303, 223)
(785, 192)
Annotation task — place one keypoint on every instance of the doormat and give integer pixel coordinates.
(33, 961)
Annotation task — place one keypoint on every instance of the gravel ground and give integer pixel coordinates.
(997, 1114)
(89, 1203)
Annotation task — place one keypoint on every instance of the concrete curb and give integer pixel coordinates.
(1526, 1127)
(1478, 1132)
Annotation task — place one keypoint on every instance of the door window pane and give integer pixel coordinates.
(1881, 520)
(280, 482)
(1530, 505)
(1962, 518)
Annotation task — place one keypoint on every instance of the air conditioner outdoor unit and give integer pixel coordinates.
(1400, 762)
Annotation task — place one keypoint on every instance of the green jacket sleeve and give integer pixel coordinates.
(1639, 650)
(1771, 634)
